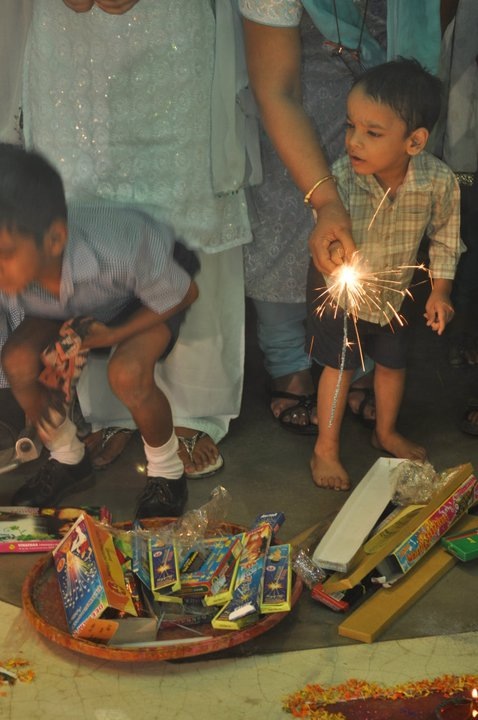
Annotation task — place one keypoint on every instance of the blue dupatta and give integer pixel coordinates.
(350, 23)
(413, 29)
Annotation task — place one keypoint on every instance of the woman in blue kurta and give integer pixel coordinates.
(303, 56)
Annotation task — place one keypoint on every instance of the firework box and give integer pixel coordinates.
(29, 530)
(155, 562)
(463, 546)
(243, 608)
(414, 538)
(274, 519)
(91, 580)
(277, 585)
(190, 612)
(436, 524)
(214, 577)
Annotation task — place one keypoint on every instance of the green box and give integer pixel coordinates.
(464, 546)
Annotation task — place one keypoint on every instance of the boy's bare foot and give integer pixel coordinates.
(329, 473)
(399, 446)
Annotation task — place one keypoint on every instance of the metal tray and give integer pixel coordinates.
(43, 607)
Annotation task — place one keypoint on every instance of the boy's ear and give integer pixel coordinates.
(55, 238)
(417, 141)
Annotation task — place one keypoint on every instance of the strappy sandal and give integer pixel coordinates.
(189, 443)
(306, 403)
(107, 445)
(368, 400)
(467, 425)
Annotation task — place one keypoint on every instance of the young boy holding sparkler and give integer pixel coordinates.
(396, 193)
(116, 268)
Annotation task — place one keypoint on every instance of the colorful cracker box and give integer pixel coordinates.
(414, 547)
(243, 608)
(274, 519)
(27, 529)
(216, 571)
(277, 580)
(223, 584)
(155, 562)
(421, 531)
(91, 580)
(463, 546)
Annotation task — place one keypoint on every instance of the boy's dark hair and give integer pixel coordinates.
(31, 192)
(406, 87)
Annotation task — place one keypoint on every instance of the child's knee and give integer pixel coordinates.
(129, 380)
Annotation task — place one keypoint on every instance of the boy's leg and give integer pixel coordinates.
(68, 468)
(327, 470)
(389, 388)
(131, 376)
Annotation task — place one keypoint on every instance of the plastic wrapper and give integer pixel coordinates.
(308, 571)
(189, 529)
(416, 483)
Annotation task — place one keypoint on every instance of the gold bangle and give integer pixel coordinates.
(314, 187)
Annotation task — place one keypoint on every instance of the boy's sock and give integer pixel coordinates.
(164, 461)
(63, 443)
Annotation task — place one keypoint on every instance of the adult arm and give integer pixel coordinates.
(274, 62)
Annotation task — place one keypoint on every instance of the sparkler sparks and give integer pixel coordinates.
(357, 290)
(354, 288)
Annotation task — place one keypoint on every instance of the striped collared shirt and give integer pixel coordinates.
(427, 203)
(113, 255)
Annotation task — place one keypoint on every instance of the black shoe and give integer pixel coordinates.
(53, 481)
(162, 498)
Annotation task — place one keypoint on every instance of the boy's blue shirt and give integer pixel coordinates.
(112, 256)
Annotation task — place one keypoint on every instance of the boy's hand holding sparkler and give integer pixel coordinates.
(439, 310)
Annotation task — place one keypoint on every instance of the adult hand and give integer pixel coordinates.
(115, 7)
(112, 7)
(330, 241)
(79, 6)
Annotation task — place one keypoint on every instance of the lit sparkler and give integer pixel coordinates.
(355, 288)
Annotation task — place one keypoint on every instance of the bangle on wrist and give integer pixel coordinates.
(314, 187)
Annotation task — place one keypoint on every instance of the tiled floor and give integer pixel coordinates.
(76, 687)
(265, 469)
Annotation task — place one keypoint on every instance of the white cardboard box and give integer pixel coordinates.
(357, 517)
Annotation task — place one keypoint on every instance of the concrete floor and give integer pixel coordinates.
(266, 469)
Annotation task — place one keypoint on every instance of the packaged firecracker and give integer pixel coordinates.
(155, 562)
(91, 580)
(276, 591)
(243, 608)
(274, 519)
(189, 613)
(215, 573)
(28, 529)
